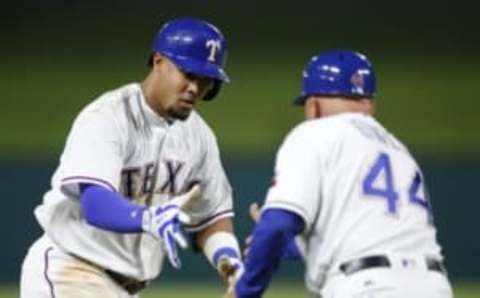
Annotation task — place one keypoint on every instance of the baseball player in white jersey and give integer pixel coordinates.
(351, 194)
(138, 162)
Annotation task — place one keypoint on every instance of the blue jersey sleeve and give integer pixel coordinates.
(271, 237)
(291, 251)
(109, 210)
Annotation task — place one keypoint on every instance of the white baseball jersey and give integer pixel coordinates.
(358, 189)
(120, 143)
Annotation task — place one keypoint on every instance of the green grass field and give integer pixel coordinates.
(279, 289)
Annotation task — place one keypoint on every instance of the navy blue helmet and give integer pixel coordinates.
(338, 73)
(194, 46)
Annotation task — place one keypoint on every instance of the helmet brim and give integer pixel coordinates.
(300, 100)
(208, 70)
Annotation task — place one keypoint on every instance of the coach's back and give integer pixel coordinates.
(365, 194)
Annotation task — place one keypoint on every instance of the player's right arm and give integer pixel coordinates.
(94, 151)
(90, 172)
(111, 211)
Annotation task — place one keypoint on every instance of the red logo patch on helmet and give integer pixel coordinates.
(358, 80)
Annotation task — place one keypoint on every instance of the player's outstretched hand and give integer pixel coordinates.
(230, 267)
(230, 293)
(163, 222)
(254, 212)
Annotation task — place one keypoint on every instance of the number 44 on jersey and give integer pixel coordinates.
(382, 167)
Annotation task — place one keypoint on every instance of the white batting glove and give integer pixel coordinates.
(164, 221)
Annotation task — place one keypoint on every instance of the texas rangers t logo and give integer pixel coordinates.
(213, 45)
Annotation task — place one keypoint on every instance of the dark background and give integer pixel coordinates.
(56, 56)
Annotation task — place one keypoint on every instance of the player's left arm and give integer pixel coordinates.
(290, 206)
(220, 246)
(271, 237)
(212, 215)
(293, 251)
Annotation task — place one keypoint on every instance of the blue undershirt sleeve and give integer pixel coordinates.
(291, 251)
(109, 210)
(271, 236)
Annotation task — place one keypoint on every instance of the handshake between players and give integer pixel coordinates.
(164, 223)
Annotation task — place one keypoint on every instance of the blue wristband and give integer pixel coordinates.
(224, 251)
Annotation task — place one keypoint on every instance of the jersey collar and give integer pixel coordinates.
(150, 114)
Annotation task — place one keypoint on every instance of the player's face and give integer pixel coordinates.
(191, 90)
(178, 92)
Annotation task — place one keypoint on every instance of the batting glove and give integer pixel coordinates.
(164, 221)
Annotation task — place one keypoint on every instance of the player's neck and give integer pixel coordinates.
(331, 107)
(148, 90)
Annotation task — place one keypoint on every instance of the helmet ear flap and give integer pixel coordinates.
(217, 85)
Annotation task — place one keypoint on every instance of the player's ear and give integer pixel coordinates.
(157, 59)
(312, 108)
(369, 105)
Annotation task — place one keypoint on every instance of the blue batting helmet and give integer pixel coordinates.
(194, 46)
(339, 73)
